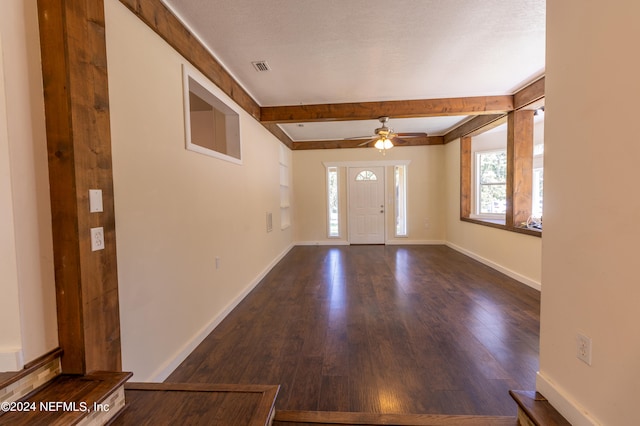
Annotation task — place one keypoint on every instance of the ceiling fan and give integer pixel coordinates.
(385, 138)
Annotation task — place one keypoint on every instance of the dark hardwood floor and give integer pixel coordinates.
(381, 329)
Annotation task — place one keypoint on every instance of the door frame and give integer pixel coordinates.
(344, 210)
(384, 201)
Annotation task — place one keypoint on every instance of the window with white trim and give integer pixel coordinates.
(400, 195)
(333, 210)
(491, 183)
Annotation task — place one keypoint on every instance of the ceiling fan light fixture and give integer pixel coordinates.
(383, 143)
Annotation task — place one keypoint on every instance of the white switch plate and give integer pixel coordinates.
(95, 200)
(97, 239)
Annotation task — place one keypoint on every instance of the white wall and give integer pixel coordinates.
(514, 254)
(26, 273)
(177, 210)
(425, 176)
(592, 202)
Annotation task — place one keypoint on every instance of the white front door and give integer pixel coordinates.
(366, 205)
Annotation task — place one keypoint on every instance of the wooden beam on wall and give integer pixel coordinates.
(520, 166)
(484, 122)
(395, 109)
(74, 68)
(465, 176)
(160, 19)
(529, 94)
(354, 143)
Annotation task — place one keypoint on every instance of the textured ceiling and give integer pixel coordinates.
(334, 51)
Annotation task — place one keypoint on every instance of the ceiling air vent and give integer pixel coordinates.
(261, 66)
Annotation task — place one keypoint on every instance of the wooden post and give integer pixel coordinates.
(465, 176)
(520, 166)
(74, 68)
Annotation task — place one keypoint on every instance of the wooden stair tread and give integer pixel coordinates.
(10, 377)
(538, 410)
(181, 403)
(79, 392)
(317, 418)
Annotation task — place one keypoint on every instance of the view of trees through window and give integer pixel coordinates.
(332, 199)
(492, 182)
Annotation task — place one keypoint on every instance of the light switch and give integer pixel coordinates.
(95, 200)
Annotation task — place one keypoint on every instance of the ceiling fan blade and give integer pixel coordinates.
(417, 134)
(368, 141)
(357, 137)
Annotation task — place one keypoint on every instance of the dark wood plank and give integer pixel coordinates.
(349, 418)
(537, 409)
(75, 81)
(379, 329)
(181, 403)
(395, 109)
(336, 144)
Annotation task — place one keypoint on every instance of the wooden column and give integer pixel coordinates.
(520, 166)
(74, 68)
(465, 176)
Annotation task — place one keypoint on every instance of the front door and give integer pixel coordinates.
(366, 205)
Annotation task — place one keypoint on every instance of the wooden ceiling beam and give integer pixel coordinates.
(529, 94)
(524, 97)
(355, 143)
(475, 124)
(396, 109)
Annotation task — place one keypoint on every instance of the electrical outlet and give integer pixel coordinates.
(583, 348)
(97, 239)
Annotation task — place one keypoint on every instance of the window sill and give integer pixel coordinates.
(500, 224)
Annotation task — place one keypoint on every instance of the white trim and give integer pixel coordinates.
(335, 242)
(231, 113)
(171, 364)
(570, 409)
(408, 242)
(508, 272)
(11, 359)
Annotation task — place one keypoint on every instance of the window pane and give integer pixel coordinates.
(493, 167)
(366, 175)
(400, 178)
(332, 201)
(536, 193)
(493, 199)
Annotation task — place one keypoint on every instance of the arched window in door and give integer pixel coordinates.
(366, 175)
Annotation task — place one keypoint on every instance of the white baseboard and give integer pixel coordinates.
(11, 360)
(336, 242)
(508, 272)
(393, 242)
(168, 367)
(408, 242)
(561, 401)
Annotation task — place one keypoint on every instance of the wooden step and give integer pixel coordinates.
(17, 384)
(535, 410)
(319, 418)
(182, 403)
(70, 400)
